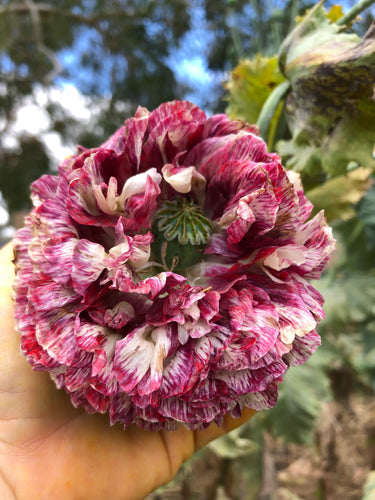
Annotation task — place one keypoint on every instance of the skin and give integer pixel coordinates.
(49, 449)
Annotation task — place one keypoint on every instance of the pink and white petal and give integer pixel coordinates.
(140, 207)
(305, 206)
(89, 336)
(177, 372)
(133, 357)
(310, 296)
(121, 409)
(220, 125)
(172, 128)
(106, 203)
(237, 230)
(119, 254)
(184, 411)
(245, 381)
(77, 378)
(209, 306)
(317, 237)
(286, 256)
(35, 354)
(105, 381)
(261, 400)
(219, 151)
(303, 348)
(151, 286)
(137, 184)
(161, 337)
(47, 296)
(54, 220)
(97, 400)
(294, 322)
(43, 189)
(79, 398)
(58, 376)
(129, 138)
(57, 261)
(119, 315)
(141, 250)
(182, 178)
(55, 333)
(88, 264)
(135, 132)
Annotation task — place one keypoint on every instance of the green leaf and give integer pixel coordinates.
(301, 395)
(338, 196)
(366, 213)
(369, 488)
(349, 299)
(233, 445)
(251, 83)
(330, 110)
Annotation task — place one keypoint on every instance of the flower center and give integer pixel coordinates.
(182, 231)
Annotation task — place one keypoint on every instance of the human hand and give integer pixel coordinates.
(49, 449)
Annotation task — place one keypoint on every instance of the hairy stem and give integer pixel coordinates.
(354, 11)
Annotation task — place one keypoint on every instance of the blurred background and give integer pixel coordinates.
(72, 71)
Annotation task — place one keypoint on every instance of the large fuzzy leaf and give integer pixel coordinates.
(366, 213)
(349, 300)
(330, 110)
(369, 489)
(337, 196)
(251, 83)
(301, 396)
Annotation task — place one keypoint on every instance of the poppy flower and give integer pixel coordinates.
(163, 276)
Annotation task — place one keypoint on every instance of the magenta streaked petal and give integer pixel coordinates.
(262, 400)
(316, 236)
(305, 206)
(56, 335)
(139, 359)
(79, 398)
(133, 357)
(88, 264)
(286, 256)
(303, 348)
(100, 402)
(77, 378)
(121, 409)
(43, 189)
(55, 221)
(47, 296)
(177, 372)
(245, 381)
(130, 320)
(150, 286)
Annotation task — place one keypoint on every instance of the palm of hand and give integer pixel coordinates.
(48, 449)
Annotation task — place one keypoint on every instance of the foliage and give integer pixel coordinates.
(251, 84)
(303, 391)
(369, 490)
(15, 166)
(324, 109)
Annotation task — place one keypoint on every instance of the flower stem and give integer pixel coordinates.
(270, 106)
(354, 11)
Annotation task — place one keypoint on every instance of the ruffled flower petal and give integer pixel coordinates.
(159, 327)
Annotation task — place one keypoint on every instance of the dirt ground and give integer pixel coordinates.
(334, 467)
